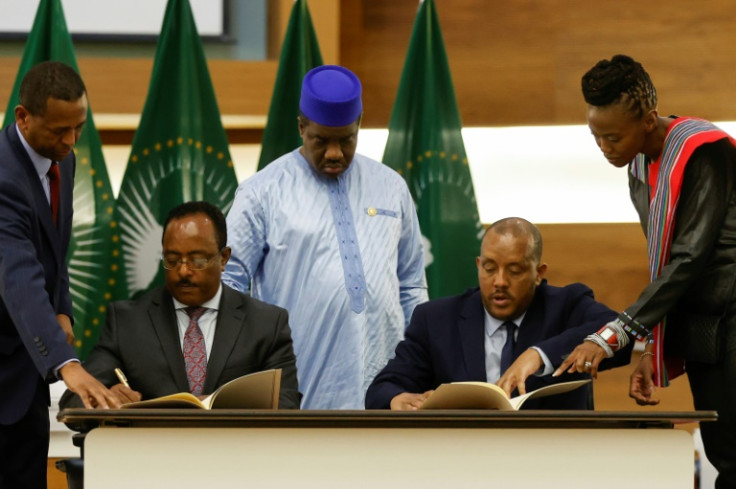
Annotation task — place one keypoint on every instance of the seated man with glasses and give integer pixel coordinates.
(195, 333)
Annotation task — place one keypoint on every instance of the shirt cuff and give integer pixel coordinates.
(57, 369)
(548, 368)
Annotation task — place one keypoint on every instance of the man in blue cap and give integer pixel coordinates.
(333, 237)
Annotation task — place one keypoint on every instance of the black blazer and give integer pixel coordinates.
(141, 337)
(34, 282)
(445, 343)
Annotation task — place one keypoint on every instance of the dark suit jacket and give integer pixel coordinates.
(142, 339)
(445, 343)
(34, 283)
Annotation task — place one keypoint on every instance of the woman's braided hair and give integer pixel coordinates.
(620, 80)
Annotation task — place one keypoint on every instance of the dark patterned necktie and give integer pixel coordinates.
(507, 353)
(54, 181)
(195, 352)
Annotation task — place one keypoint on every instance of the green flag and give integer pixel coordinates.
(426, 147)
(180, 152)
(90, 257)
(299, 54)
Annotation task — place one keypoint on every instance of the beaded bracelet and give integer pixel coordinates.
(598, 340)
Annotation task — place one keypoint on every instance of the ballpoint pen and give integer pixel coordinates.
(121, 377)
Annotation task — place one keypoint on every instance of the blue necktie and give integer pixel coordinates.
(507, 353)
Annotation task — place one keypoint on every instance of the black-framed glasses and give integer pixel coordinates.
(196, 263)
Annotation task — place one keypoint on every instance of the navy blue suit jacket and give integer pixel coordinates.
(445, 343)
(34, 282)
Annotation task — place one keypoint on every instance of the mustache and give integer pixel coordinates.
(184, 282)
(501, 293)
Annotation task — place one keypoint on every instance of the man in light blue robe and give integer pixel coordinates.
(333, 237)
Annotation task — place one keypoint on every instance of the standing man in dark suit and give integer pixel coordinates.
(513, 330)
(150, 339)
(36, 182)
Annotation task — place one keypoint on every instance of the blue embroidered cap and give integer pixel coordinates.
(331, 96)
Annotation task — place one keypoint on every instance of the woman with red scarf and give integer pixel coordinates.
(682, 178)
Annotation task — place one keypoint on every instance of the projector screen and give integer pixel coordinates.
(111, 18)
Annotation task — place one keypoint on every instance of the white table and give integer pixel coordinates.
(357, 449)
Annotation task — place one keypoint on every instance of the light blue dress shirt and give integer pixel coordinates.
(495, 338)
(343, 256)
(40, 163)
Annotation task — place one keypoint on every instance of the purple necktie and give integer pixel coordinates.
(195, 353)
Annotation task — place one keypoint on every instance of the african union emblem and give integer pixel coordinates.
(442, 187)
(425, 145)
(180, 153)
(91, 258)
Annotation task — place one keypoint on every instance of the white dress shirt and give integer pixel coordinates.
(207, 321)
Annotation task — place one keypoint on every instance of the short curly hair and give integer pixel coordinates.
(620, 80)
(49, 79)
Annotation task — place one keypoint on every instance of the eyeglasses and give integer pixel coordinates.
(196, 263)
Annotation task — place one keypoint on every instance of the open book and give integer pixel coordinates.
(482, 395)
(259, 390)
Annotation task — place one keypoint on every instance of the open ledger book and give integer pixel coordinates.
(259, 390)
(482, 395)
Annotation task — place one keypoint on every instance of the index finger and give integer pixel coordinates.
(569, 360)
